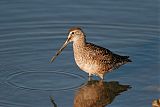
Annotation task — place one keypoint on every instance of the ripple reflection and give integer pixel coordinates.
(45, 81)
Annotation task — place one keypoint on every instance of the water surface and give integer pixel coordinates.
(31, 31)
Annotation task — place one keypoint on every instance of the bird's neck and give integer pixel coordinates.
(79, 42)
(78, 47)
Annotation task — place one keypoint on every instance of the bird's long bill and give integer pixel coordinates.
(60, 50)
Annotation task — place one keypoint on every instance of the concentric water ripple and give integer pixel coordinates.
(47, 81)
(31, 31)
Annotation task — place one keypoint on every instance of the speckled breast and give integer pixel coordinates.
(84, 61)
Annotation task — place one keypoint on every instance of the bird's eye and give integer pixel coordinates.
(72, 33)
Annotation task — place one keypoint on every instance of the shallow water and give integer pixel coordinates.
(31, 31)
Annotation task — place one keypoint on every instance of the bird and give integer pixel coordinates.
(91, 58)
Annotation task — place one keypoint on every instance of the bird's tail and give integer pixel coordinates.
(126, 59)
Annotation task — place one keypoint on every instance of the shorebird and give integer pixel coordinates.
(91, 58)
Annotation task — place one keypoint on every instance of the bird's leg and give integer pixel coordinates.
(89, 77)
(101, 76)
(89, 74)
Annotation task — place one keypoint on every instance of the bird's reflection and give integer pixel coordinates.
(96, 93)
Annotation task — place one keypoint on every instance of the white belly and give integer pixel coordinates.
(87, 67)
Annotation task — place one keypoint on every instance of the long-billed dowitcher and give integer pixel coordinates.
(93, 59)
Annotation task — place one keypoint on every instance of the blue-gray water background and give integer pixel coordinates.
(31, 31)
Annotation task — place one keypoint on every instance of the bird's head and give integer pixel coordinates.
(74, 34)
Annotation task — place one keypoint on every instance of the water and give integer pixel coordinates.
(31, 31)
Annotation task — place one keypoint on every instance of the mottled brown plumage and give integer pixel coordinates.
(91, 58)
